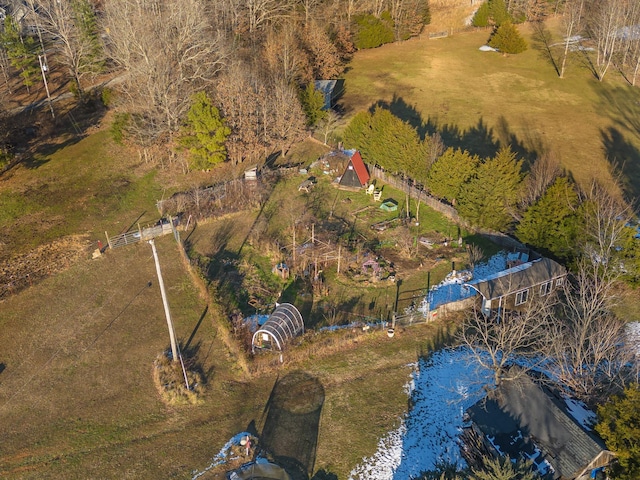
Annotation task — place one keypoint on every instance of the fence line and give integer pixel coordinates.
(142, 234)
(447, 210)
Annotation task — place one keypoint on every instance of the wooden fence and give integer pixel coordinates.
(419, 194)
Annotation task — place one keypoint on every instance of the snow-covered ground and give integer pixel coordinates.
(442, 388)
(633, 334)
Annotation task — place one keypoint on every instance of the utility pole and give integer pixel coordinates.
(172, 335)
(44, 66)
(43, 69)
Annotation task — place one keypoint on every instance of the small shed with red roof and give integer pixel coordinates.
(356, 173)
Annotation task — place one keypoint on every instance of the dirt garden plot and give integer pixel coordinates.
(24, 270)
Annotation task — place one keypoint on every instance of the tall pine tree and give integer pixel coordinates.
(551, 223)
(489, 198)
(450, 171)
(21, 51)
(204, 134)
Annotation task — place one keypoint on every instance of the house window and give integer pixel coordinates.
(521, 297)
(560, 282)
(545, 288)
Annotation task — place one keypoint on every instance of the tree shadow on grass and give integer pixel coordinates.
(292, 421)
(407, 113)
(542, 43)
(624, 157)
(479, 139)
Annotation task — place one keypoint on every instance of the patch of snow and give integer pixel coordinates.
(444, 386)
(633, 335)
(542, 465)
(492, 440)
(487, 48)
(222, 456)
(580, 413)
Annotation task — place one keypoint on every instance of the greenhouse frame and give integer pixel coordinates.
(284, 324)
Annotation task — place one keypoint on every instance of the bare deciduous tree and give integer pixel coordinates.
(588, 352)
(284, 55)
(474, 254)
(327, 125)
(261, 12)
(72, 26)
(287, 124)
(545, 169)
(325, 57)
(605, 18)
(630, 44)
(495, 342)
(169, 51)
(572, 21)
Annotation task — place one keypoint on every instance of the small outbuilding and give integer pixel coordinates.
(356, 174)
(284, 324)
(281, 270)
(523, 418)
(251, 173)
(326, 87)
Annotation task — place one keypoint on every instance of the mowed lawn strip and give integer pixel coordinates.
(475, 99)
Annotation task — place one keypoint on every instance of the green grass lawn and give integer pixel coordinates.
(85, 187)
(480, 100)
(77, 398)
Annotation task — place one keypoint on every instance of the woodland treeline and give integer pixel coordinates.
(255, 60)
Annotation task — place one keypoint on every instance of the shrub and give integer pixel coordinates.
(507, 39)
(371, 32)
(119, 127)
(5, 158)
(106, 96)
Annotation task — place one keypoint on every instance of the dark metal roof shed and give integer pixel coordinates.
(518, 278)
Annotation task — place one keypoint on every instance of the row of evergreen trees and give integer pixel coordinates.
(487, 192)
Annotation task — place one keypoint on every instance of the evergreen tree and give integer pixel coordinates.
(371, 32)
(21, 51)
(489, 198)
(312, 101)
(384, 139)
(394, 144)
(450, 171)
(551, 223)
(498, 12)
(357, 133)
(504, 469)
(507, 39)
(619, 426)
(491, 12)
(630, 254)
(481, 18)
(204, 134)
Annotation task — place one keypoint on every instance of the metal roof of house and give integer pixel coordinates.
(518, 278)
(521, 416)
(357, 165)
